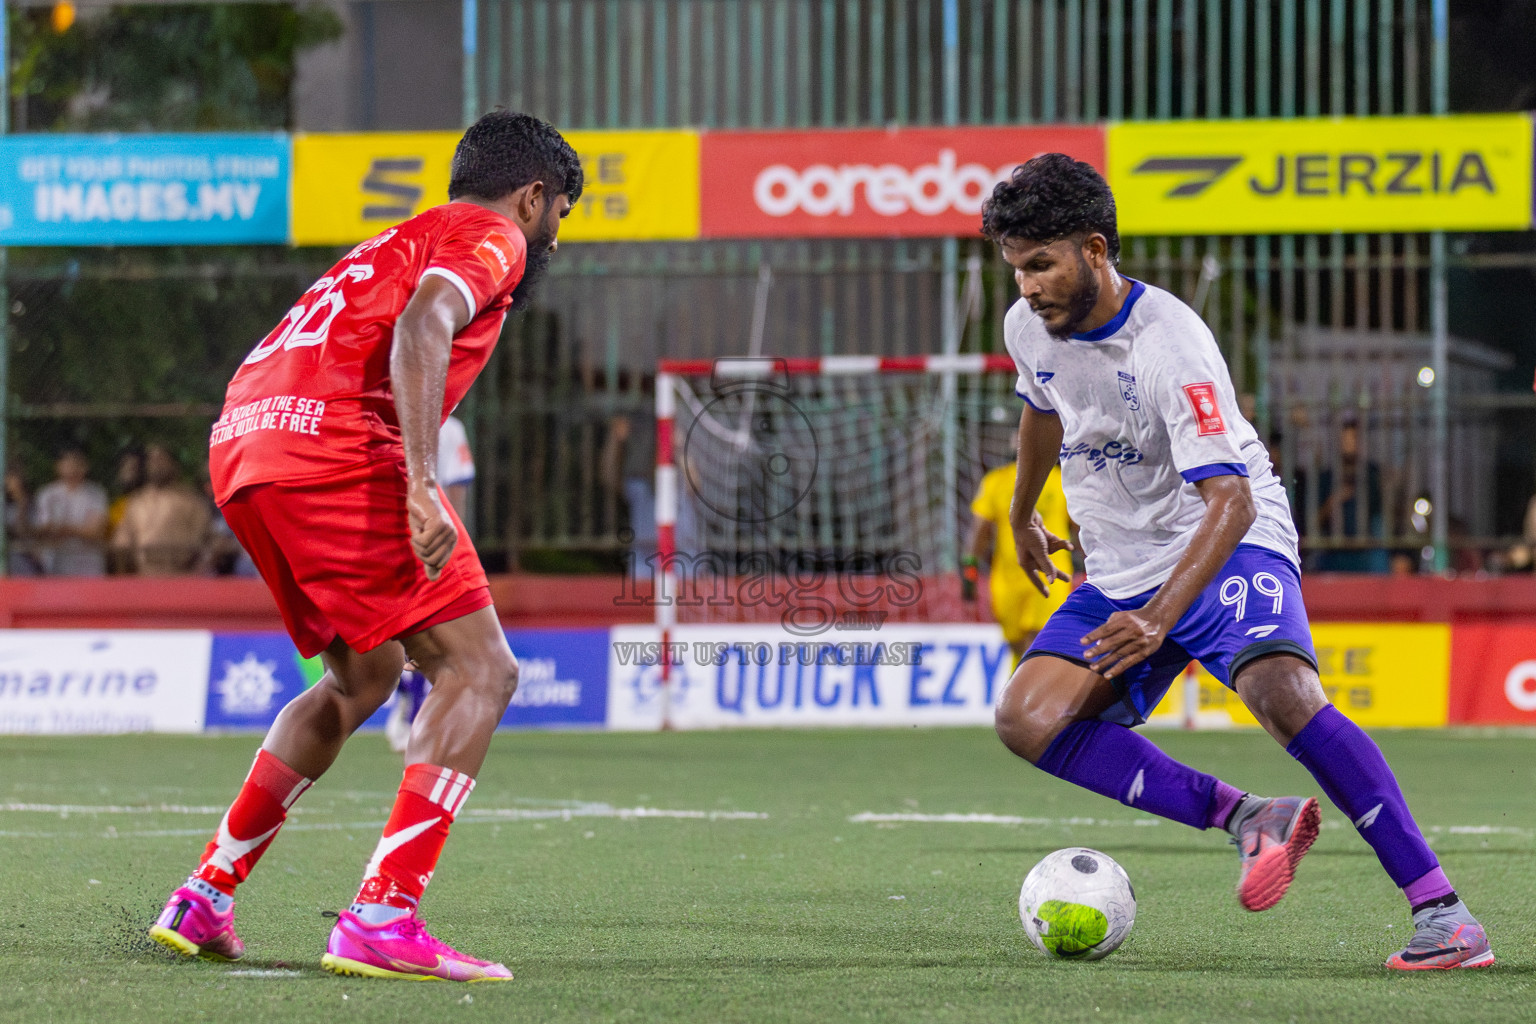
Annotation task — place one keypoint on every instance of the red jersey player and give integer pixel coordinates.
(324, 463)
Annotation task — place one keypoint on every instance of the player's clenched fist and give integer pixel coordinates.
(1035, 546)
(1125, 639)
(433, 534)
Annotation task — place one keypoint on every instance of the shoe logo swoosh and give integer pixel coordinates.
(395, 963)
(1414, 958)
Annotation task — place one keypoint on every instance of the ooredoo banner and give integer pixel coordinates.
(735, 676)
(89, 681)
(1493, 673)
(906, 182)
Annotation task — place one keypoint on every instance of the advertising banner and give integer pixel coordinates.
(1493, 673)
(1388, 675)
(730, 676)
(348, 187)
(1463, 172)
(206, 189)
(563, 679)
(908, 182)
(89, 681)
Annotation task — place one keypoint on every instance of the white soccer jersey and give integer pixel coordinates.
(1147, 409)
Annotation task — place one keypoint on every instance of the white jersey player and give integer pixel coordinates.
(1191, 554)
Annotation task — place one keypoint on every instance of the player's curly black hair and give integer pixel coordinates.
(503, 151)
(1049, 198)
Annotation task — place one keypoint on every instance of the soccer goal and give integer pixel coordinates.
(829, 493)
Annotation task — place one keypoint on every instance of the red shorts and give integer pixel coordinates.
(336, 554)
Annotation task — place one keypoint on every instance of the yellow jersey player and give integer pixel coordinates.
(1018, 607)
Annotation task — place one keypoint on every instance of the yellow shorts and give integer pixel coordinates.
(1021, 611)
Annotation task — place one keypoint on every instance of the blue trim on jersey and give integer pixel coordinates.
(1032, 405)
(1118, 320)
(1214, 469)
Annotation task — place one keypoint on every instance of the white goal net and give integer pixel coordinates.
(823, 493)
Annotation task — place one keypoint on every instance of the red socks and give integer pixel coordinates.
(250, 823)
(430, 797)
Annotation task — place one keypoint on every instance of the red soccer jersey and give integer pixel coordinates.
(314, 397)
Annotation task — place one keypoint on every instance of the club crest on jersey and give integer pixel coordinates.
(1202, 400)
(1128, 391)
(496, 253)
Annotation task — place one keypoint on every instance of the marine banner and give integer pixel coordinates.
(1493, 673)
(206, 189)
(99, 681)
(1389, 675)
(347, 187)
(1449, 173)
(906, 182)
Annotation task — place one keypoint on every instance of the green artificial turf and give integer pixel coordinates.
(803, 915)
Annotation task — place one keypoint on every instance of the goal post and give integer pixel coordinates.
(842, 482)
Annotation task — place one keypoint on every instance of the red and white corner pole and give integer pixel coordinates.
(664, 574)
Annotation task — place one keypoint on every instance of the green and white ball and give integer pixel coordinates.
(1077, 904)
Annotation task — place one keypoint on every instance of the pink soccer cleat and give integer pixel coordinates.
(190, 926)
(400, 949)
(1271, 838)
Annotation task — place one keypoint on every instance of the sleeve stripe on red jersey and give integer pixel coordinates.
(455, 280)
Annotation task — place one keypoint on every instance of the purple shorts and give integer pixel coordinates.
(1252, 608)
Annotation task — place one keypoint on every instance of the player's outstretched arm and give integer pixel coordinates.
(418, 373)
(1127, 638)
(1040, 435)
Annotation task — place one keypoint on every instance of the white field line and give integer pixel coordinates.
(871, 817)
(471, 816)
(264, 972)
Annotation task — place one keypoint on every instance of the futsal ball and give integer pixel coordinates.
(1077, 904)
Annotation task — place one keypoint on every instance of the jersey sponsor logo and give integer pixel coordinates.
(496, 253)
(1101, 456)
(1202, 401)
(1041, 376)
(1128, 391)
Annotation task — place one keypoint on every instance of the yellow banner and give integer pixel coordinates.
(1380, 675)
(640, 186)
(1458, 172)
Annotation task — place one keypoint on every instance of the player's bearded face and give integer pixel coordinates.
(540, 252)
(1081, 294)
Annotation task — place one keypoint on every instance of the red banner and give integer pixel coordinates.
(1493, 673)
(909, 182)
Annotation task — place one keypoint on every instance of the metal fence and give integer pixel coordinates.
(542, 414)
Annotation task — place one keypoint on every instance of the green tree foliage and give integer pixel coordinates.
(143, 326)
(171, 68)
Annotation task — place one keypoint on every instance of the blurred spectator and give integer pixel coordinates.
(1351, 507)
(224, 555)
(69, 520)
(18, 527)
(165, 526)
(1521, 557)
(455, 467)
(629, 467)
(128, 477)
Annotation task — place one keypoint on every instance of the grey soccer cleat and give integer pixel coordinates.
(1444, 937)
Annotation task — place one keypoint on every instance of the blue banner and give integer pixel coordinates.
(212, 189)
(563, 679)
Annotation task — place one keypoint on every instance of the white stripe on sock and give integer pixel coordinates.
(446, 803)
(443, 776)
(298, 791)
(469, 787)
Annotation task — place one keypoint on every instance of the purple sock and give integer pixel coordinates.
(1351, 770)
(1113, 761)
(1431, 887)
